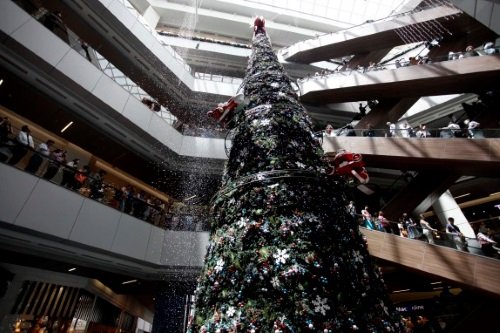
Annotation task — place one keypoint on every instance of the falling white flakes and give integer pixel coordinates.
(281, 256)
(320, 305)
(219, 266)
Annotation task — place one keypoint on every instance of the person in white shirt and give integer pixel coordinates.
(427, 229)
(329, 132)
(24, 141)
(36, 160)
(456, 235)
(473, 131)
(392, 129)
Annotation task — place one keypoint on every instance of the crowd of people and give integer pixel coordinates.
(53, 164)
(421, 229)
(345, 67)
(467, 129)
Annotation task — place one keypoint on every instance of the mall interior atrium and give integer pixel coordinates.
(107, 230)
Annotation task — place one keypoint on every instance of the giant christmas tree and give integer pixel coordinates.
(283, 254)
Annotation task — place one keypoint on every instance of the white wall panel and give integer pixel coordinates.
(122, 13)
(96, 225)
(495, 22)
(106, 3)
(50, 209)
(483, 12)
(11, 17)
(214, 87)
(151, 16)
(465, 5)
(79, 69)
(203, 147)
(111, 93)
(166, 134)
(199, 248)
(132, 237)
(140, 31)
(138, 113)
(161, 52)
(40, 41)
(15, 188)
(155, 245)
(176, 247)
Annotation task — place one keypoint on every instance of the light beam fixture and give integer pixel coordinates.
(67, 126)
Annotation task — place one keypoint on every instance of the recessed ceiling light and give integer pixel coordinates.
(72, 269)
(1, 82)
(67, 126)
(129, 281)
(401, 291)
(437, 282)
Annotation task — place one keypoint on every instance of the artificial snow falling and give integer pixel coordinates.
(284, 255)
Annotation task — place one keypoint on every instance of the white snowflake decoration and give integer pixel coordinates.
(242, 222)
(219, 266)
(231, 311)
(300, 165)
(320, 305)
(281, 256)
(357, 257)
(265, 122)
(275, 282)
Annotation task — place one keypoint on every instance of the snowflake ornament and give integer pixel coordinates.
(357, 257)
(231, 311)
(275, 282)
(219, 266)
(242, 222)
(320, 305)
(281, 256)
(300, 165)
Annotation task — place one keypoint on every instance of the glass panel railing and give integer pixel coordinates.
(484, 244)
(345, 69)
(415, 133)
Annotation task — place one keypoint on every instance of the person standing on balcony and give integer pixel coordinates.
(473, 131)
(24, 141)
(392, 129)
(427, 229)
(456, 235)
(36, 160)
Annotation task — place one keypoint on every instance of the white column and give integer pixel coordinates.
(445, 207)
(151, 16)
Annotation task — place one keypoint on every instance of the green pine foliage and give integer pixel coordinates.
(284, 255)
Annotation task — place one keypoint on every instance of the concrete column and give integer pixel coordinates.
(151, 16)
(445, 207)
(386, 110)
(419, 194)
